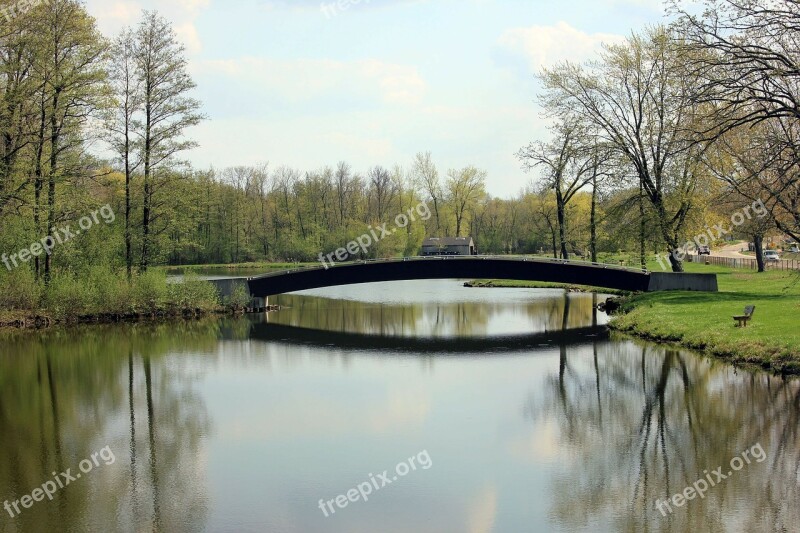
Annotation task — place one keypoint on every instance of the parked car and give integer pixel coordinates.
(771, 256)
(703, 250)
(794, 248)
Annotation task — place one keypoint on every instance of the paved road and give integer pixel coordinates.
(732, 250)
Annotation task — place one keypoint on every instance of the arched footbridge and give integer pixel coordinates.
(476, 267)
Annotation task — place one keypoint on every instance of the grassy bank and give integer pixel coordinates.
(102, 295)
(511, 284)
(253, 266)
(703, 321)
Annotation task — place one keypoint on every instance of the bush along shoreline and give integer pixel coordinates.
(104, 296)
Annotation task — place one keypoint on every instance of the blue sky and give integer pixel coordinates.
(305, 83)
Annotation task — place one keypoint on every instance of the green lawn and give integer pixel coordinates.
(504, 283)
(265, 266)
(704, 320)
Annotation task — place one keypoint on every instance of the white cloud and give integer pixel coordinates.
(187, 34)
(544, 46)
(113, 15)
(310, 79)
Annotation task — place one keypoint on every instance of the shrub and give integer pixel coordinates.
(239, 299)
(114, 293)
(67, 295)
(19, 290)
(149, 291)
(192, 293)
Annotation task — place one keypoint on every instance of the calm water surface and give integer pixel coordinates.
(521, 414)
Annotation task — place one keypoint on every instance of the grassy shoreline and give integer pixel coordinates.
(511, 284)
(103, 296)
(704, 321)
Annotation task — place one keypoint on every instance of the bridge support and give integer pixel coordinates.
(669, 281)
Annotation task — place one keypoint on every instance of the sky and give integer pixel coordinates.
(309, 83)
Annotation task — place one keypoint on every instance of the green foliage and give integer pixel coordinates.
(19, 289)
(104, 291)
(239, 300)
(192, 294)
(113, 292)
(67, 295)
(149, 291)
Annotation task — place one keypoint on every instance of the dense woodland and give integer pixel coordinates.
(652, 142)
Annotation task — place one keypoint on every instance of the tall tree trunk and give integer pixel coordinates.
(147, 186)
(593, 221)
(758, 241)
(39, 181)
(562, 223)
(436, 213)
(642, 231)
(670, 238)
(128, 251)
(51, 186)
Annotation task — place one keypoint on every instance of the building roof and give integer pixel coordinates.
(448, 241)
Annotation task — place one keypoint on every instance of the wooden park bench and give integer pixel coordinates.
(742, 320)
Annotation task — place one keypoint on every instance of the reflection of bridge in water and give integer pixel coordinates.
(477, 267)
(292, 335)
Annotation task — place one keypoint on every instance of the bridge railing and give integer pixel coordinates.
(530, 259)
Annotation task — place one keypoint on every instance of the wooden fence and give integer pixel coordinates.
(743, 262)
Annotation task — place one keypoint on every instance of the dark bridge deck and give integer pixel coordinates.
(477, 267)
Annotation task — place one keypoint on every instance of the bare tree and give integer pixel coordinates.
(748, 67)
(569, 165)
(466, 187)
(122, 121)
(637, 98)
(746, 56)
(344, 185)
(427, 178)
(168, 110)
(382, 190)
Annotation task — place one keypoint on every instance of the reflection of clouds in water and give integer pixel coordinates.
(483, 511)
(370, 407)
(541, 443)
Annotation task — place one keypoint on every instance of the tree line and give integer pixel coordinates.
(694, 119)
(653, 140)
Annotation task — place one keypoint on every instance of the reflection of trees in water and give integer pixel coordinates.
(644, 422)
(460, 319)
(62, 399)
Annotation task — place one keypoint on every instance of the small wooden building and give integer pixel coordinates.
(448, 246)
